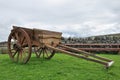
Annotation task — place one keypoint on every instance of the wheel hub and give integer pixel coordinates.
(17, 47)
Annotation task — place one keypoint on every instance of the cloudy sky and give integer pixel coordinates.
(79, 18)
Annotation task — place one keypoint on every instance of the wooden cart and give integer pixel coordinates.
(23, 41)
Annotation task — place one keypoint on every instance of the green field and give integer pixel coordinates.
(60, 67)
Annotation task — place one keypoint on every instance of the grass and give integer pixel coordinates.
(60, 67)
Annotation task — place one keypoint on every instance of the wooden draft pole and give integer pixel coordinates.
(104, 61)
(86, 53)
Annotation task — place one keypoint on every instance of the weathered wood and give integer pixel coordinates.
(99, 49)
(94, 44)
(87, 53)
(43, 41)
(40, 37)
(107, 64)
(96, 47)
(47, 37)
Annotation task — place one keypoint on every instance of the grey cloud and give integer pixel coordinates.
(72, 17)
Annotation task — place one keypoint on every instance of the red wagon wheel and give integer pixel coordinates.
(44, 52)
(19, 46)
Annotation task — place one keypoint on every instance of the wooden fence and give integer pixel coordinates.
(3, 50)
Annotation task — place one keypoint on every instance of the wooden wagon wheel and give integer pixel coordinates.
(19, 46)
(44, 52)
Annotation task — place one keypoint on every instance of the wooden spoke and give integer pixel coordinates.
(22, 41)
(17, 37)
(40, 53)
(44, 52)
(17, 52)
(17, 59)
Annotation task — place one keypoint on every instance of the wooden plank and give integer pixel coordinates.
(107, 64)
(96, 47)
(100, 49)
(91, 44)
(84, 52)
(46, 32)
(49, 36)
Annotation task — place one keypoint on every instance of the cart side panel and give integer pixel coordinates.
(47, 37)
